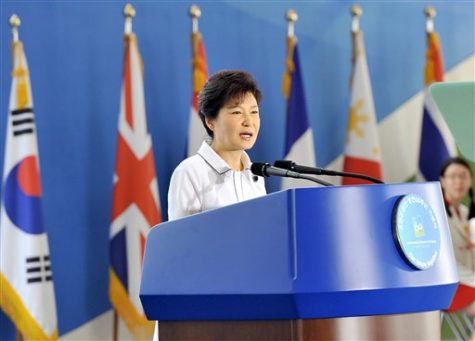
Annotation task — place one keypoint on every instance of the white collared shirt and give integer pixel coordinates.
(205, 181)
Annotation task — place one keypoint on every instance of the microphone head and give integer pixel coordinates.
(285, 164)
(259, 168)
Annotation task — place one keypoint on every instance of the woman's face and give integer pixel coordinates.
(456, 182)
(237, 125)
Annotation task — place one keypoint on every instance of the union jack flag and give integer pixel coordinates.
(135, 206)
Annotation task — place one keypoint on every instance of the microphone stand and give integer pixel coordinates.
(348, 174)
(311, 178)
(290, 165)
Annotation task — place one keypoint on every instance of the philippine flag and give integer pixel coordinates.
(362, 149)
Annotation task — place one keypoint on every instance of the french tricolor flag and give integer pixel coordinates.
(299, 146)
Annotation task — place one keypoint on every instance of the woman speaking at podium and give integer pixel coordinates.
(219, 174)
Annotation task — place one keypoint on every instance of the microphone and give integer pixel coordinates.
(290, 165)
(266, 169)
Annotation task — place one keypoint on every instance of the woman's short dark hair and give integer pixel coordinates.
(223, 87)
(457, 161)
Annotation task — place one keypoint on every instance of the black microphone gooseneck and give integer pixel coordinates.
(265, 169)
(287, 164)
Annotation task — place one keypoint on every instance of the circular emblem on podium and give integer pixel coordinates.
(416, 231)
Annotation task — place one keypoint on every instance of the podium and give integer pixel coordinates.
(296, 264)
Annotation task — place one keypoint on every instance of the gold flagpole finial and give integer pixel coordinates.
(430, 14)
(129, 13)
(291, 16)
(356, 13)
(195, 11)
(195, 14)
(356, 10)
(15, 22)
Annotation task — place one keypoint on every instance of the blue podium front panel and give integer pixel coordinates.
(303, 253)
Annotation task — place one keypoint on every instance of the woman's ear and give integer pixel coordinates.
(209, 123)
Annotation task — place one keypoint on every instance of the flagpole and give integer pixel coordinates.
(430, 13)
(129, 13)
(356, 12)
(15, 22)
(291, 16)
(195, 14)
